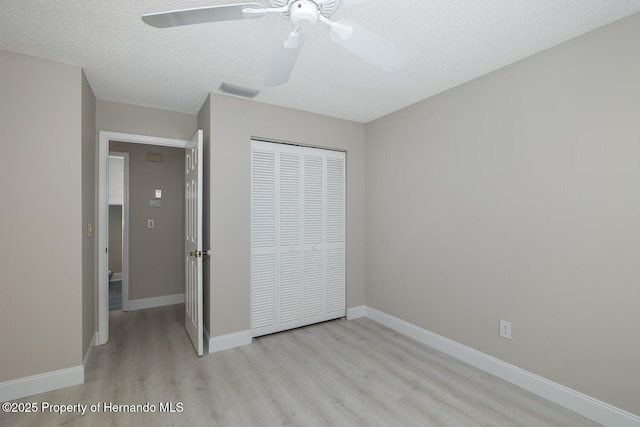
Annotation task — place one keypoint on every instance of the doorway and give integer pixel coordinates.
(118, 196)
(105, 138)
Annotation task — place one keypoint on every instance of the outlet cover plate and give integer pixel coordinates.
(505, 329)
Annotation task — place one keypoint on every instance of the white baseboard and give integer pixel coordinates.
(356, 312)
(226, 342)
(575, 401)
(141, 304)
(28, 386)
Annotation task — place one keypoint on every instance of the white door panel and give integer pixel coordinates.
(193, 242)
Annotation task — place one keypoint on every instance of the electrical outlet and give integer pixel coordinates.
(151, 223)
(505, 329)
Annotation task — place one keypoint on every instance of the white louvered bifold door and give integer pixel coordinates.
(297, 236)
(263, 238)
(336, 233)
(289, 197)
(314, 302)
(116, 180)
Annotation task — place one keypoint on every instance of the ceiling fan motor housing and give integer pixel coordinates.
(322, 7)
(304, 13)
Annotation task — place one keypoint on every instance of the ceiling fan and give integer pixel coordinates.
(302, 14)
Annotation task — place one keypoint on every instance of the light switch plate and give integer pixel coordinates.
(151, 223)
(158, 194)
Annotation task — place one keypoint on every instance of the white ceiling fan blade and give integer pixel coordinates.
(369, 46)
(284, 59)
(201, 15)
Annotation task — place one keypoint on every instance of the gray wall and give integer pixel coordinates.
(233, 121)
(115, 117)
(42, 217)
(516, 196)
(156, 255)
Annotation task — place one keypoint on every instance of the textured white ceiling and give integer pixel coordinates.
(450, 42)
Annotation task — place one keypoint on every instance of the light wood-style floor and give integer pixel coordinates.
(340, 373)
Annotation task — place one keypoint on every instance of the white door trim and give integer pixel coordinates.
(104, 137)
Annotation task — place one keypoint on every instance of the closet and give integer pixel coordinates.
(297, 236)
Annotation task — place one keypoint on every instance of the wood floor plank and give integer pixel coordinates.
(340, 373)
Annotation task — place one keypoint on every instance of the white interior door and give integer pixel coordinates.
(193, 242)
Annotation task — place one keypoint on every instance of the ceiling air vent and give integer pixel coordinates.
(238, 91)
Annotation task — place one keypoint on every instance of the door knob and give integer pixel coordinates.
(199, 254)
